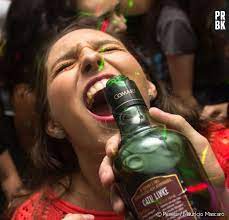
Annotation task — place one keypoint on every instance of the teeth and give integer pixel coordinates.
(98, 86)
(89, 95)
(94, 89)
(104, 82)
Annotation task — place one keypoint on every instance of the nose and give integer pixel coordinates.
(90, 61)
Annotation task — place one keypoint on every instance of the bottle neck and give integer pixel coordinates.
(132, 119)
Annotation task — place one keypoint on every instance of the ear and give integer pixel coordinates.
(152, 91)
(55, 130)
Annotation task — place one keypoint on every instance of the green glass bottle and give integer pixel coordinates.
(157, 170)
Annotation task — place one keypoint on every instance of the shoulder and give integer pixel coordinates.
(26, 210)
(171, 14)
(172, 19)
(175, 32)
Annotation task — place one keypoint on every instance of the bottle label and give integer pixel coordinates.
(123, 93)
(162, 198)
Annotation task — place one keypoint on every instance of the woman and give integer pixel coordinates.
(72, 134)
(33, 22)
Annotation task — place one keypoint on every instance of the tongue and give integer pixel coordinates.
(101, 110)
(100, 106)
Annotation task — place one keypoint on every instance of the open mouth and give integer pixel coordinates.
(95, 101)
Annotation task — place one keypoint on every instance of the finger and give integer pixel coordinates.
(175, 122)
(220, 117)
(116, 201)
(199, 142)
(78, 217)
(106, 173)
(207, 112)
(112, 145)
(178, 123)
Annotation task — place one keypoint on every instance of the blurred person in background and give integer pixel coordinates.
(3, 11)
(28, 25)
(9, 177)
(221, 109)
(24, 28)
(183, 32)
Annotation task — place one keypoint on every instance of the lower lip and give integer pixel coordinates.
(103, 119)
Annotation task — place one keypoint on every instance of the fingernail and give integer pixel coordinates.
(113, 151)
(88, 217)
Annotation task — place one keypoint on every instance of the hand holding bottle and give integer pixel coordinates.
(175, 122)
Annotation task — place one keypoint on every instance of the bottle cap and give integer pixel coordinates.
(121, 92)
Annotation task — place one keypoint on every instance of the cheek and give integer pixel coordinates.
(60, 94)
(124, 62)
(127, 65)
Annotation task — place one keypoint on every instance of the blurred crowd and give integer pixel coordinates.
(175, 39)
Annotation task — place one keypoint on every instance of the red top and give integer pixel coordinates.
(218, 136)
(49, 208)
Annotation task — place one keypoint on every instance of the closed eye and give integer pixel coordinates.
(64, 66)
(109, 49)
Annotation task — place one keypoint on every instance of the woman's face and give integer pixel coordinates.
(108, 10)
(78, 66)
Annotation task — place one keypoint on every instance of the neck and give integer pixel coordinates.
(86, 189)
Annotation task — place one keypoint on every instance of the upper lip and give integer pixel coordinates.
(93, 81)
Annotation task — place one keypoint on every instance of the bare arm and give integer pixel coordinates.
(217, 112)
(135, 7)
(181, 69)
(10, 180)
(181, 73)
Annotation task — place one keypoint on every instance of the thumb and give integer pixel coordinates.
(172, 121)
(78, 217)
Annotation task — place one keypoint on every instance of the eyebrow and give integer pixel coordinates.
(98, 44)
(75, 50)
(67, 55)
